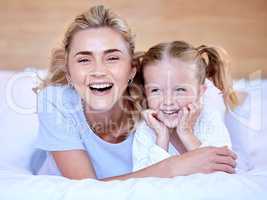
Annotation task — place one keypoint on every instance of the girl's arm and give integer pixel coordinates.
(188, 116)
(161, 131)
(76, 164)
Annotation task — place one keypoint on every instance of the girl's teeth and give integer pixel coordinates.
(169, 112)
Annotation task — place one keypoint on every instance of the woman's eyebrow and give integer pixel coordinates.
(111, 51)
(91, 53)
(84, 53)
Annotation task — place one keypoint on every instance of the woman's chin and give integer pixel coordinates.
(100, 106)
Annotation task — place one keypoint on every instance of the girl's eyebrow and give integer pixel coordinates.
(151, 86)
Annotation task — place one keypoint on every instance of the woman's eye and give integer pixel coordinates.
(113, 58)
(83, 60)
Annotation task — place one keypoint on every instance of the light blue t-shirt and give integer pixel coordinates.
(63, 126)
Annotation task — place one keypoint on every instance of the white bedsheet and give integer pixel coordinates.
(218, 186)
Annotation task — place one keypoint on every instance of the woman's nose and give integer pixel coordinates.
(98, 70)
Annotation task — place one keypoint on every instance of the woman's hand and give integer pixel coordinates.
(162, 132)
(187, 118)
(203, 160)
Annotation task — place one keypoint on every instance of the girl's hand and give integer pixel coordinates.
(162, 132)
(187, 118)
(204, 160)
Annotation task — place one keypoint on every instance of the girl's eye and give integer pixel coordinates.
(155, 90)
(83, 60)
(180, 89)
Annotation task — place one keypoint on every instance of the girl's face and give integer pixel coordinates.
(171, 84)
(99, 66)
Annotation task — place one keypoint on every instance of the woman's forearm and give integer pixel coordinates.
(202, 160)
(160, 169)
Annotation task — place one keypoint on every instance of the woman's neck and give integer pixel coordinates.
(109, 125)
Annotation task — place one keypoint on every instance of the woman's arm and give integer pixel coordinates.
(77, 165)
(203, 160)
(74, 164)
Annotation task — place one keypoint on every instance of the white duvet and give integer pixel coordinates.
(218, 186)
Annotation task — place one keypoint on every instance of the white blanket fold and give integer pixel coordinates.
(216, 186)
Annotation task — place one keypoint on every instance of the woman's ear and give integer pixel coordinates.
(67, 75)
(133, 73)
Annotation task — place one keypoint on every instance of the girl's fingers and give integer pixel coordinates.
(148, 115)
(192, 108)
(184, 116)
(192, 111)
(185, 112)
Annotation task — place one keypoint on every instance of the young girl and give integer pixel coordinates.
(174, 76)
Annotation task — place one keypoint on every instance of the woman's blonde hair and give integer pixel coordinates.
(209, 64)
(95, 17)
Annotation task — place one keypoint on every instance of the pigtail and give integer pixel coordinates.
(218, 73)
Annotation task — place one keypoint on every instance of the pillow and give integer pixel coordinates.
(18, 120)
(247, 125)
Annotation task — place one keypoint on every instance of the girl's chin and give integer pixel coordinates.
(170, 123)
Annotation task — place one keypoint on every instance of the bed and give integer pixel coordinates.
(18, 122)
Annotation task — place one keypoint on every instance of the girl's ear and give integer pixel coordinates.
(202, 89)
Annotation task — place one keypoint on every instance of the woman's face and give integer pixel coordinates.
(171, 84)
(99, 65)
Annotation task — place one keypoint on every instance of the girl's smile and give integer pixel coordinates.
(170, 85)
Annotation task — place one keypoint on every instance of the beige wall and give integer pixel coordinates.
(30, 28)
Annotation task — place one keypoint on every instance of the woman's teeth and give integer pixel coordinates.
(100, 86)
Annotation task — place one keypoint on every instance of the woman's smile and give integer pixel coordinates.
(100, 88)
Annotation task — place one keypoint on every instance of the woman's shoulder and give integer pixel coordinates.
(58, 95)
(56, 91)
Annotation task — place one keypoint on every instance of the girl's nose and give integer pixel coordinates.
(168, 100)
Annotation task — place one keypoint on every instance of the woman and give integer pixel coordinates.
(87, 116)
